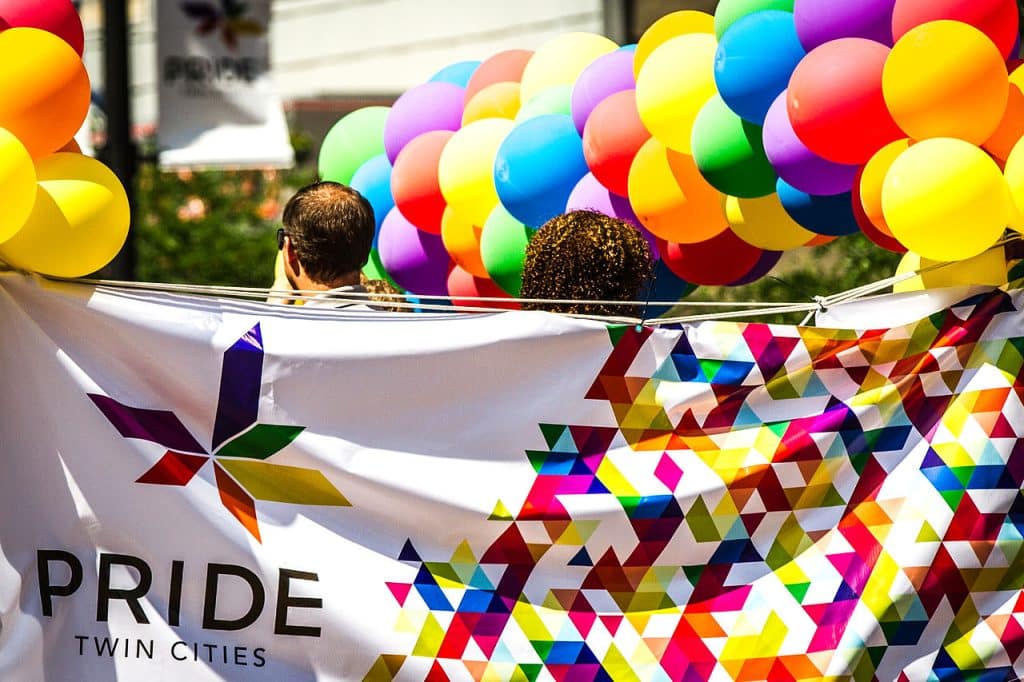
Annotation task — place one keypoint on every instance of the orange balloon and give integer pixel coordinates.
(45, 89)
(671, 198)
(870, 182)
(462, 239)
(72, 147)
(821, 240)
(1011, 127)
(498, 100)
(946, 79)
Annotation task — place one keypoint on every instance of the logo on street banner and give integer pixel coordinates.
(240, 446)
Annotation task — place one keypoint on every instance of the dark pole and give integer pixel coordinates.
(119, 153)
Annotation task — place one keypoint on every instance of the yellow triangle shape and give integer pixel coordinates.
(431, 636)
(500, 513)
(463, 554)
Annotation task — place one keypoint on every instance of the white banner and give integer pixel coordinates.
(218, 107)
(198, 489)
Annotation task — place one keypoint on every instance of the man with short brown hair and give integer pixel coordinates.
(325, 242)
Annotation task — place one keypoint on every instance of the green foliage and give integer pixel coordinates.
(213, 227)
(838, 266)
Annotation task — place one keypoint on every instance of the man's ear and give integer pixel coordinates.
(290, 256)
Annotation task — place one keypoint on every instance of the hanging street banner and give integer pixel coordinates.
(215, 490)
(217, 104)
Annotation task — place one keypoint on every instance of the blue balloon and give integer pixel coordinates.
(456, 74)
(828, 215)
(373, 181)
(537, 167)
(754, 61)
(631, 47)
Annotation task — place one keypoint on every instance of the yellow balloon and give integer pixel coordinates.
(671, 198)
(560, 61)
(872, 177)
(462, 239)
(1014, 174)
(764, 223)
(987, 269)
(946, 199)
(683, 22)
(946, 79)
(17, 184)
(498, 100)
(669, 97)
(79, 221)
(465, 171)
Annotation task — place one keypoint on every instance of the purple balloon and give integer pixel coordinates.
(819, 21)
(795, 163)
(431, 106)
(416, 260)
(763, 266)
(606, 75)
(590, 194)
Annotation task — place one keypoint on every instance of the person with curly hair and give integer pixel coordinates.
(586, 256)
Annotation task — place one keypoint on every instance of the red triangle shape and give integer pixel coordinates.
(400, 591)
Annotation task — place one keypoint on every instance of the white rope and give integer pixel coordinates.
(745, 309)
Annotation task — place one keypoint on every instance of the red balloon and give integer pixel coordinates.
(997, 19)
(721, 260)
(612, 136)
(503, 67)
(462, 283)
(56, 16)
(835, 101)
(867, 227)
(414, 183)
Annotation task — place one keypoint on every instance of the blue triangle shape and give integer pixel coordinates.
(582, 558)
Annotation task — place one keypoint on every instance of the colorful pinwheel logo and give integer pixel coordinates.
(240, 445)
(226, 16)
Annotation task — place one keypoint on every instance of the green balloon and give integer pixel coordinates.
(554, 100)
(503, 249)
(374, 269)
(729, 152)
(352, 141)
(731, 11)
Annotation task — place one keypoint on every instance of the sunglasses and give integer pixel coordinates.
(280, 238)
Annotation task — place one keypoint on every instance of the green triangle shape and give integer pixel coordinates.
(616, 332)
(832, 498)
(859, 461)
(778, 428)
(500, 513)
(693, 573)
(530, 670)
(537, 459)
(543, 648)
(629, 504)
(698, 518)
(963, 474)
(552, 432)
(709, 368)
(876, 653)
(798, 590)
(952, 498)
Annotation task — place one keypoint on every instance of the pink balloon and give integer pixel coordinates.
(56, 16)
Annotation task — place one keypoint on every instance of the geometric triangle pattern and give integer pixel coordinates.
(773, 503)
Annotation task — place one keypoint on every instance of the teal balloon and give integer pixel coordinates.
(456, 74)
(731, 11)
(503, 249)
(352, 141)
(729, 152)
(554, 100)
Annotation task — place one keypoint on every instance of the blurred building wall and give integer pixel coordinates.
(359, 49)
